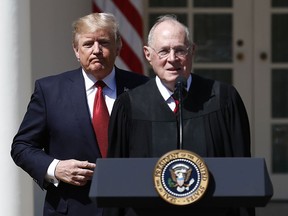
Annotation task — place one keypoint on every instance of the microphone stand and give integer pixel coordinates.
(180, 120)
(181, 83)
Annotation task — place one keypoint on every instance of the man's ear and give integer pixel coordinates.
(147, 53)
(193, 48)
(118, 48)
(75, 48)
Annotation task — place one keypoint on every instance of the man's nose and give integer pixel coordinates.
(97, 48)
(171, 55)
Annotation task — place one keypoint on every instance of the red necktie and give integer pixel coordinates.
(101, 118)
(176, 105)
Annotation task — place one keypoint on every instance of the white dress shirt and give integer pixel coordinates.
(167, 94)
(109, 90)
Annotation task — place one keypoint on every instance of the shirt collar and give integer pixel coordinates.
(165, 92)
(90, 80)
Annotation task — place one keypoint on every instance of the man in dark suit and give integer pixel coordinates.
(215, 122)
(56, 144)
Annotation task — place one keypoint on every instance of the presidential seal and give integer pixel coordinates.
(181, 177)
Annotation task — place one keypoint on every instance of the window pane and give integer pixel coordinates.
(213, 37)
(167, 3)
(280, 148)
(279, 38)
(279, 93)
(279, 3)
(153, 17)
(212, 3)
(223, 75)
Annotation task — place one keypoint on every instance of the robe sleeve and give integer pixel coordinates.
(118, 133)
(239, 125)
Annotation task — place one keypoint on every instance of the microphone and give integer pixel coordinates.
(179, 92)
(180, 85)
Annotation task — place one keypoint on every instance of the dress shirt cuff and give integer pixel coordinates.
(50, 175)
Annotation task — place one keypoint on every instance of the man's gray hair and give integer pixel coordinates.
(168, 17)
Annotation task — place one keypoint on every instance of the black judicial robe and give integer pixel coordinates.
(214, 119)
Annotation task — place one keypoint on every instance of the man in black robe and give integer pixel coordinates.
(143, 124)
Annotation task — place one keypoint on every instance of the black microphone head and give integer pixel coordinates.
(180, 85)
(181, 81)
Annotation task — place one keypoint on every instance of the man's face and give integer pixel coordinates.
(168, 54)
(97, 52)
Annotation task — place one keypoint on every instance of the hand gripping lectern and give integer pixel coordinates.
(233, 182)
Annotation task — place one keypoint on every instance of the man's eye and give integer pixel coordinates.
(163, 52)
(180, 51)
(88, 44)
(104, 43)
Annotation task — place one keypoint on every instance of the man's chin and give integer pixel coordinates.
(174, 76)
(97, 67)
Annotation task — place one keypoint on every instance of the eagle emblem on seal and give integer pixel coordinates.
(180, 177)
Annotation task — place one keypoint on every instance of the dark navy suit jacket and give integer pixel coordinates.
(58, 125)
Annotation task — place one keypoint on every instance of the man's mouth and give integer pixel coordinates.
(174, 69)
(95, 60)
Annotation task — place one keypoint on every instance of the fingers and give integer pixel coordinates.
(79, 180)
(87, 165)
(88, 173)
(74, 172)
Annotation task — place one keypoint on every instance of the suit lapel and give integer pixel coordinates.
(79, 104)
(120, 81)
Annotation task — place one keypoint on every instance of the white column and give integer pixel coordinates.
(15, 89)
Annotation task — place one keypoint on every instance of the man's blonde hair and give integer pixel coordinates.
(96, 21)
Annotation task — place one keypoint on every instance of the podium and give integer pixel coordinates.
(233, 182)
